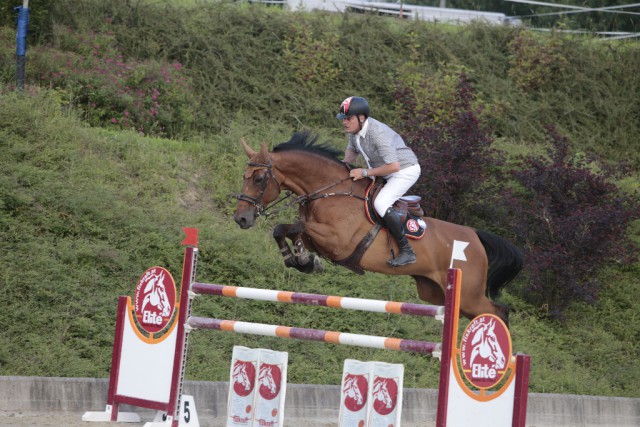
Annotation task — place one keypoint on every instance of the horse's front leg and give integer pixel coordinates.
(300, 252)
(303, 260)
(279, 234)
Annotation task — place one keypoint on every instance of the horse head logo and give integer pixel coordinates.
(270, 380)
(265, 378)
(242, 377)
(355, 392)
(385, 394)
(485, 344)
(155, 299)
(155, 294)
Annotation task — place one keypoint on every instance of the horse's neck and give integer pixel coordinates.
(304, 173)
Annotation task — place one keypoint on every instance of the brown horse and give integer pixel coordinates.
(333, 224)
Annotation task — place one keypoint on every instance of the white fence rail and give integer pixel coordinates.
(399, 9)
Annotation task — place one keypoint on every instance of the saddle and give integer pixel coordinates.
(410, 211)
(408, 208)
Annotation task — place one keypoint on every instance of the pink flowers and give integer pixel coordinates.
(117, 91)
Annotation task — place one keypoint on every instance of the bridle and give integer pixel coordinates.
(257, 200)
(302, 200)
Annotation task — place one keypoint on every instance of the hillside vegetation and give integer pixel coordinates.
(87, 203)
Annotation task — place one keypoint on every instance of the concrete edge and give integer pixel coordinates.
(305, 401)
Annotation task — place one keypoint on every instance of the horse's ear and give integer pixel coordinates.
(248, 150)
(264, 151)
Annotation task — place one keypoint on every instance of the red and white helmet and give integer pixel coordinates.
(353, 106)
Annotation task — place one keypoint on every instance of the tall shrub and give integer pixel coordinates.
(536, 61)
(572, 220)
(440, 120)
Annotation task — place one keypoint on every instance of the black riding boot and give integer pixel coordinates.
(394, 225)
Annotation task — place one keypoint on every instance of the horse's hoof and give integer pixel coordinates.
(300, 252)
(318, 266)
(313, 266)
(302, 258)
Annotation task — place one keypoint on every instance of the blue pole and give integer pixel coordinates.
(21, 45)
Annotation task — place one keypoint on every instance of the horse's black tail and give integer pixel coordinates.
(505, 262)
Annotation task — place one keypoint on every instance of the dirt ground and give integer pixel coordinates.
(63, 419)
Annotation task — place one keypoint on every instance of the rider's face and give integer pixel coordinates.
(351, 124)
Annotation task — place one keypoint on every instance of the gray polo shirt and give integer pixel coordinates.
(382, 145)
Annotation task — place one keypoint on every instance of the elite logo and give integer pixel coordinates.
(385, 395)
(270, 379)
(484, 349)
(155, 299)
(355, 392)
(413, 226)
(243, 377)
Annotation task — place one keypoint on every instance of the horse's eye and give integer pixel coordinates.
(258, 178)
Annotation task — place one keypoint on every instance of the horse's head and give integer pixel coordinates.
(259, 186)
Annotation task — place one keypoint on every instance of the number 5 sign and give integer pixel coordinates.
(188, 415)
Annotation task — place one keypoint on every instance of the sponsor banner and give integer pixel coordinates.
(354, 393)
(386, 395)
(257, 387)
(371, 394)
(272, 374)
(244, 367)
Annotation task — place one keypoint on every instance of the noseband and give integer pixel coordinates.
(257, 201)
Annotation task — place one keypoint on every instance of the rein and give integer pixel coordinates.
(306, 198)
(301, 200)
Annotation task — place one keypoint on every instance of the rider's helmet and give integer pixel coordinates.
(353, 106)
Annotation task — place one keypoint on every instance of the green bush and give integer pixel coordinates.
(537, 61)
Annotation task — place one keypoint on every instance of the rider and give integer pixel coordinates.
(387, 156)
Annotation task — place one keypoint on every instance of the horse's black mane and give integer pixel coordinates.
(307, 141)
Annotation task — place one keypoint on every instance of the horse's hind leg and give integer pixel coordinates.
(470, 305)
(429, 291)
(502, 311)
(475, 304)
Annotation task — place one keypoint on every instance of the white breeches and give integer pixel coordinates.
(397, 185)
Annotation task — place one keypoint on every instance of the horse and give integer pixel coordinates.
(332, 224)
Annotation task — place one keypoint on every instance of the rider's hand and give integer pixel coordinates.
(356, 174)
